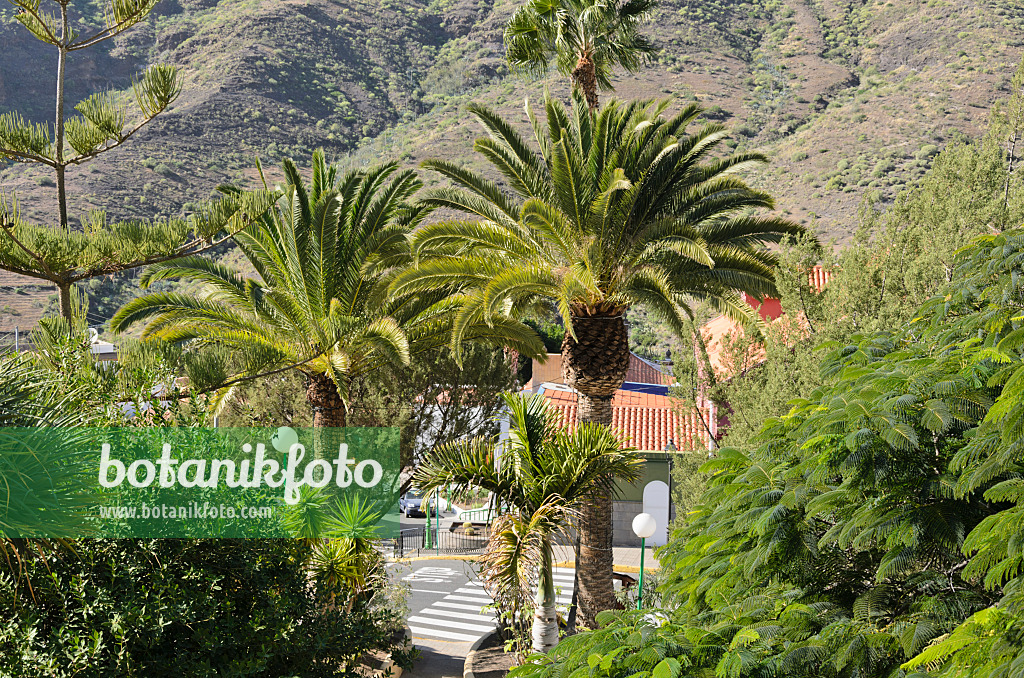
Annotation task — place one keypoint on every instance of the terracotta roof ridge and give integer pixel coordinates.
(649, 363)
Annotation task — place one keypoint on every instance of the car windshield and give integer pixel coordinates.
(414, 494)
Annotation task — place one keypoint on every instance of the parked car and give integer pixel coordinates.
(413, 503)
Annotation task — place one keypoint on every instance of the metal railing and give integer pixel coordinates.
(414, 541)
(483, 514)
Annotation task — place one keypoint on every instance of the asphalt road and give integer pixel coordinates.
(447, 615)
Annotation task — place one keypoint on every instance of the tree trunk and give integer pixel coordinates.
(64, 299)
(595, 364)
(58, 132)
(328, 408)
(545, 616)
(584, 76)
(328, 414)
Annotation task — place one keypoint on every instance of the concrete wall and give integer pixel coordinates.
(623, 513)
(656, 467)
(550, 371)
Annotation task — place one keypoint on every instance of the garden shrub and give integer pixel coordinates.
(178, 608)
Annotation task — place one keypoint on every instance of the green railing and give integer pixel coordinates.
(478, 515)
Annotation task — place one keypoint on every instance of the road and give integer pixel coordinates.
(446, 614)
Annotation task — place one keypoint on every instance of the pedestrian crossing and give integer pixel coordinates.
(460, 616)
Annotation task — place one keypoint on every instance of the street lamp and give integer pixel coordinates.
(644, 526)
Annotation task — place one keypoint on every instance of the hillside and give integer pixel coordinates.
(845, 97)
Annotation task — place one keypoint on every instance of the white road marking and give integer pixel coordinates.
(468, 599)
(438, 633)
(452, 614)
(456, 606)
(455, 625)
(467, 617)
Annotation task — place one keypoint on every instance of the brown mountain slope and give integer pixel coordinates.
(845, 97)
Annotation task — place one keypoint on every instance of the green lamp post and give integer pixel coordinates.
(644, 526)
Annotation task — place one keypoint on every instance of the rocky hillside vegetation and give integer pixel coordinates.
(848, 98)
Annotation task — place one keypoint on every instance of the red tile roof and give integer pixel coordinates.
(646, 421)
(645, 372)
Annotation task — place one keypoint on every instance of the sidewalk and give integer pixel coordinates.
(626, 558)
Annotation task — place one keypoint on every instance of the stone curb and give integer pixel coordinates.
(632, 569)
(467, 667)
(417, 558)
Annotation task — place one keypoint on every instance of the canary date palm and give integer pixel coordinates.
(613, 209)
(323, 256)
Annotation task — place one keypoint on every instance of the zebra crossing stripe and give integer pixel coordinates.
(452, 614)
(452, 624)
(438, 633)
(468, 599)
(456, 606)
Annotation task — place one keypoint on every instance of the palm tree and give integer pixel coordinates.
(585, 39)
(544, 474)
(617, 208)
(324, 256)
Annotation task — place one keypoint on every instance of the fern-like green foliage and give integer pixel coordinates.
(877, 529)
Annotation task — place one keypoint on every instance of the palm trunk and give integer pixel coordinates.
(328, 408)
(595, 564)
(595, 364)
(545, 616)
(328, 413)
(584, 76)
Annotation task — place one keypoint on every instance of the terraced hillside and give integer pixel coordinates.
(847, 97)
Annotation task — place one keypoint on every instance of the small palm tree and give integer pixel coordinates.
(615, 209)
(544, 474)
(323, 257)
(585, 39)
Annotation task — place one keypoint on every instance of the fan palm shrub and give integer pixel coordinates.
(612, 209)
(323, 258)
(543, 474)
(584, 38)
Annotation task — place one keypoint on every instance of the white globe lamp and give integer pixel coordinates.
(284, 438)
(644, 526)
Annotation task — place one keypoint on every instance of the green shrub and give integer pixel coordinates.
(176, 608)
